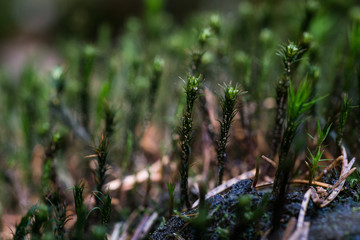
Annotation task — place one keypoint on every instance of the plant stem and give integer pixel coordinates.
(290, 54)
(86, 67)
(281, 99)
(228, 105)
(102, 160)
(192, 90)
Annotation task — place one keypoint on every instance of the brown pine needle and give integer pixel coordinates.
(335, 163)
(295, 181)
(272, 162)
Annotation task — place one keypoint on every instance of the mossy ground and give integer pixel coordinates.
(337, 221)
(75, 72)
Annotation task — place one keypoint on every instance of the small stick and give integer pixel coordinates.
(127, 225)
(303, 209)
(272, 162)
(296, 235)
(302, 233)
(116, 231)
(144, 226)
(346, 170)
(343, 178)
(317, 183)
(296, 181)
(336, 191)
(140, 227)
(128, 182)
(289, 228)
(305, 231)
(257, 172)
(328, 168)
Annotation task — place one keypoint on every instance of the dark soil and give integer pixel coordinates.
(339, 220)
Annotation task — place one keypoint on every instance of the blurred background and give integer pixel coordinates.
(65, 63)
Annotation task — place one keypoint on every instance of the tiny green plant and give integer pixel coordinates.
(86, 67)
(228, 103)
(147, 197)
(313, 160)
(196, 57)
(80, 210)
(247, 215)
(321, 134)
(343, 117)
(192, 91)
(110, 114)
(215, 24)
(61, 217)
(156, 72)
(290, 54)
(98, 232)
(40, 221)
(58, 79)
(257, 172)
(171, 191)
(104, 207)
(204, 35)
(299, 103)
(103, 202)
(101, 151)
(106, 210)
(22, 229)
(48, 177)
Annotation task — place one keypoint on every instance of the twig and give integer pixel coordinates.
(289, 228)
(144, 226)
(129, 181)
(272, 163)
(295, 181)
(257, 172)
(302, 228)
(116, 231)
(303, 181)
(302, 233)
(126, 226)
(304, 204)
(305, 231)
(328, 168)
